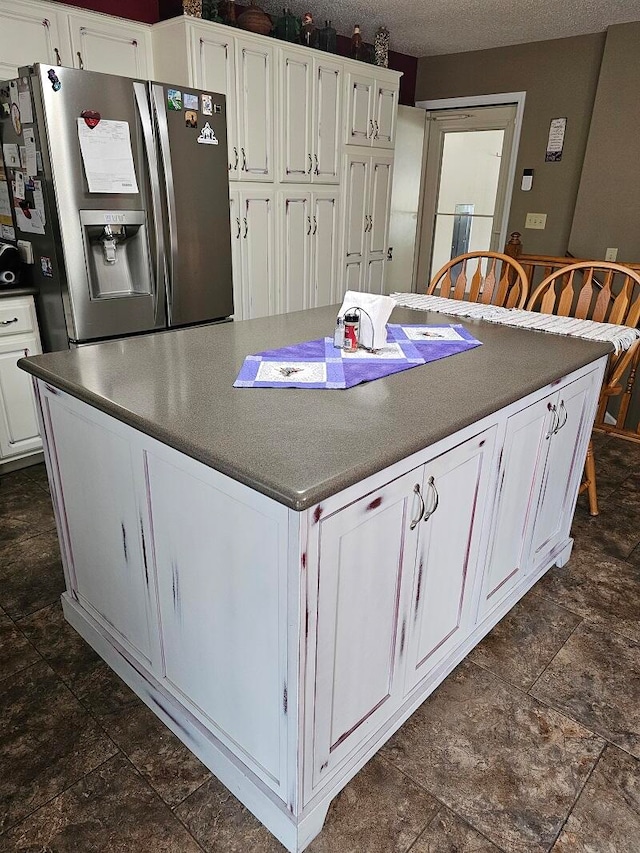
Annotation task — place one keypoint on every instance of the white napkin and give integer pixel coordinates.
(373, 314)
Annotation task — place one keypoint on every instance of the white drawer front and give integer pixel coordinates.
(16, 316)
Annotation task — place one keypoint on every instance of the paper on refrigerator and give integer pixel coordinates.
(107, 157)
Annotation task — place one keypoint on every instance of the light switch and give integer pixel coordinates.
(611, 255)
(536, 220)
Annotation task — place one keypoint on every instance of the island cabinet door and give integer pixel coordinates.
(567, 448)
(365, 549)
(99, 495)
(522, 461)
(220, 559)
(456, 488)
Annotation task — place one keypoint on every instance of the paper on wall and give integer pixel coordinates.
(31, 165)
(107, 157)
(38, 200)
(24, 101)
(18, 186)
(7, 232)
(5, 204)
(31, 224)
(11, 156)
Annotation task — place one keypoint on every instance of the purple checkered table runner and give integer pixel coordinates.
(318, 364)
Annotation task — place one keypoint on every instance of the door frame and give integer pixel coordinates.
(467, 102)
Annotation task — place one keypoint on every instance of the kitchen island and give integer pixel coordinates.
(283, 576)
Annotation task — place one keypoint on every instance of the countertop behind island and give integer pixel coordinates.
(301, 446)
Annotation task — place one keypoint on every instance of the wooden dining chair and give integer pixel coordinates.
(604, 292)
(503, 281)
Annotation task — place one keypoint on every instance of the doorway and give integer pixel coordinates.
(467, 181)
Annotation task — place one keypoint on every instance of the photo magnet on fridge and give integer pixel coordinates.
(208, 135)
(190, 101)
(191, 118)
(174, 99)
(207, 105)
(47, 267)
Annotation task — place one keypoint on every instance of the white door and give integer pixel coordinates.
(356, 219)
(103, 502)
(563, 466)
(239, 295)
(19, 431)
(379, 204)
(110, 46)
(31, 32)
(466, 176)
(256, 110)
(360, 127)
(455, 492)
(214, 70)
(296, 95)
(325, 219)
(365, 550)
(386, 110)
(374, 275)
(296, 230)
(522, 463)
(258, 254)
(327, 121)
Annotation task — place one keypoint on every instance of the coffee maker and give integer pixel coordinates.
(9, 265)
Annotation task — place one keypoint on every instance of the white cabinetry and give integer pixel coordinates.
(372, 106)
(367, 199)
(311, 100)
(253, 247)
(255, 109)
(110, 45)
(19, 432)
(31, 32)
(308, 231)
(49, 32)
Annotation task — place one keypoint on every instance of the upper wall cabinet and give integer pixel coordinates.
(311, 118)
(372, 106)
(110, 45)
(44, 32)
(31, 32)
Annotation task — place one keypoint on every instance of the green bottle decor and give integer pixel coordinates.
(210, 11)
(328, 38)
(287, 26)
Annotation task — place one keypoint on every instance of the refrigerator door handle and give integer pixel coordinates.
(142, 102)
(157, 93)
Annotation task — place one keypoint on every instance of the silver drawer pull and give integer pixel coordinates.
(8, 322)
(436, 499)
(563, 409)
(415, 521)
(554, 411)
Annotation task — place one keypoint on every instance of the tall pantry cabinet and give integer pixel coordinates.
(294, 218)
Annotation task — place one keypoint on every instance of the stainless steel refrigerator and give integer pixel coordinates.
(121, 188)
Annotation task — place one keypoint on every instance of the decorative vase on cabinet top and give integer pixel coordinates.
(192, 7)
(287, 27)
(255, 20)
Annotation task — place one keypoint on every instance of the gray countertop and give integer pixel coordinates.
(300, 446)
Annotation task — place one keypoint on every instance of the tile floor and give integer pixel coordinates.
(531, 745)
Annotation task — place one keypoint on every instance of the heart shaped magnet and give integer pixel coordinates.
(91, 118)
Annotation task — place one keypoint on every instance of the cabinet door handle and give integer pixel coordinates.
(8, 322)
(310, 169)
(246, 228)
(563, 409)
(554, 411)
(308, 225)
(436, 499)
(239, 229)
(376, 134)
(371, 223)
(80, 62)
(366, 224)
(58, 57)
(416, 521)
(244, 161)
(371, 129)
(235, 165)
(315, 226)
(317, 169)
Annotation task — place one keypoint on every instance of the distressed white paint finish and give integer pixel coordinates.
(255, 82)
(456, 489)
(110, 45)
(327, 120)
(385, 115)
(372, 108)
(296, 97)
(231, 570)
(19, 431)
(33, 28)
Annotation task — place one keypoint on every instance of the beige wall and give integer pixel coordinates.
(560, 78)
(608, 205)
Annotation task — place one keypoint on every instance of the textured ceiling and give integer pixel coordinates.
(452, 26)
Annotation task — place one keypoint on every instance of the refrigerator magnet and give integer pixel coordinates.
(91, 118)
(207, 105)
(190, 101)
(174, 99)
(207, 135)
(191, 118)
(46, 267)
(56, 85)
(15, 119)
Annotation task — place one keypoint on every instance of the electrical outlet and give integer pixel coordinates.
(611, 255)
(536, 220)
